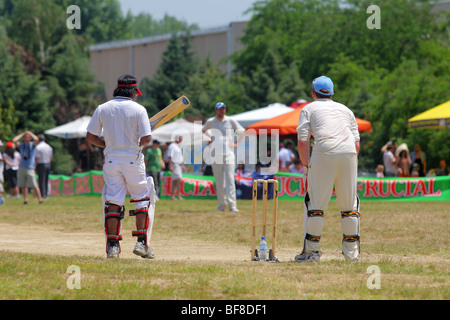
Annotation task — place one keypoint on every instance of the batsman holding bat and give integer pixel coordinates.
(126, 128)
(334, 161)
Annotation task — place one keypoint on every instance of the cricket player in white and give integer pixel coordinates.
(126, 128)
(223, 129)
(334, 161)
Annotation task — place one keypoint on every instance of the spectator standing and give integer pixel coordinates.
(44, 157)
(419, 157)
(26, 175)
(176, 166)
(390, 162)
(154, 164)
(286, 156)
(12, 159)
(403, 160)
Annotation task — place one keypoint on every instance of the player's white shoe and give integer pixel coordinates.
(307, 257)
(113, 251)
(141, 250)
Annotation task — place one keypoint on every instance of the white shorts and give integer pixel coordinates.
(125, 173)
(327, 170)
(177, 172)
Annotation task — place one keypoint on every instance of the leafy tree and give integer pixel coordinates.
(172, 75)
(273, 81)
(23, 90)
(101, 20)
(30, 26)
(202, 89)
(208, 85)
(144, 25)
(7, 120)
(385, 76)
(70, 82)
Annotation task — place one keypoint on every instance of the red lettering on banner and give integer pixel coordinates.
(289, 191)
(183, 183)
(431, 191)
(380, 188)
(360, 186)
(371, 185)
(281, 181)
(303, 186)
(298, 188)
(420, 187)
(408, 188)
(394, 189)
(208, 189)
(165, 185)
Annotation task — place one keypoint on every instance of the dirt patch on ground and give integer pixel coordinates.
(45, 240)
(41, 240)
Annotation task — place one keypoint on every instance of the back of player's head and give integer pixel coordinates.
(126, 86)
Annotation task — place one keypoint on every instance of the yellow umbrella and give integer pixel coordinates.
(435, 118)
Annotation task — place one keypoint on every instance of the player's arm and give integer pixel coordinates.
(303, 152)
(303, 136)
(145, 140)
(17, 138)
(95, 140)
(34, 137)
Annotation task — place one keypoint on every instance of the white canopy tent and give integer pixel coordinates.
(250, 117)
(189, 130)
(71, 130)
(166, 133)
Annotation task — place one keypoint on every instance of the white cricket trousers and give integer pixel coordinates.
(340, 170)
(125, 173)
(225, 188)
(326, 171)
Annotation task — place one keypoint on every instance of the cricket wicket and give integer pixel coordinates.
(254, 251)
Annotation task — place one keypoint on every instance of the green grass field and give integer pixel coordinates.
(205, 255)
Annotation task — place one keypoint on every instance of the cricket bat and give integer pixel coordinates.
(169, 112)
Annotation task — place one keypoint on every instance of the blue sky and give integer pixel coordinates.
(205, 13)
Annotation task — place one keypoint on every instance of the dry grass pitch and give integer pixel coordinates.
(202, 254)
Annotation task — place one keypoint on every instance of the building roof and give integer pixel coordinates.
(152, 39)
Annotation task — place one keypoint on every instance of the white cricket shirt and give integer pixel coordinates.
(222, 134)
(332, 125)
(124, 122)
(223, 130)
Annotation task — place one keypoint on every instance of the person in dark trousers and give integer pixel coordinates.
(44, 157)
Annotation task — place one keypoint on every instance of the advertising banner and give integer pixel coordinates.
(292, 186)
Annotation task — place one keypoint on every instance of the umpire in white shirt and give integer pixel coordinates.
(44, 157)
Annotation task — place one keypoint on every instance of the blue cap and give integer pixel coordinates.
(220, 105)
(323, 83)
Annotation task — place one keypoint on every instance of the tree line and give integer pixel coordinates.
(384, 75)
(46, 66)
